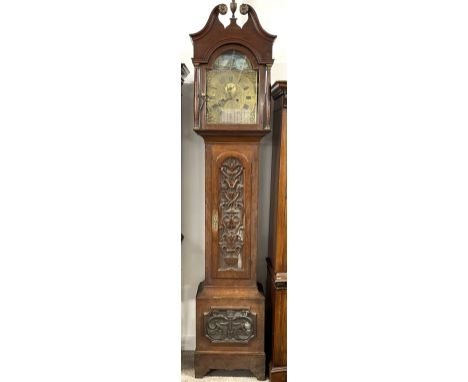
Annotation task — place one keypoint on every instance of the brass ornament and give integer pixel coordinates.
(233, 8)
(214, 221)
(222, 9)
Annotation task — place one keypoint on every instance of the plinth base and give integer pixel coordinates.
(230, 330)
(205, 361)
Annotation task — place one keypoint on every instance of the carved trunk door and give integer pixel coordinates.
(231, 190)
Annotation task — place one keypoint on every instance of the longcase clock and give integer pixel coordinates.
(232, 114)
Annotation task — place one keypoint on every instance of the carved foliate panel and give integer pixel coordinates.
(231, 212)
(230, 325)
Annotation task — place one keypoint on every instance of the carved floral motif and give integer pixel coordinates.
(231, 208)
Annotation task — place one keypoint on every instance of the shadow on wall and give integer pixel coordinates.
(263, 207)
(192, 219)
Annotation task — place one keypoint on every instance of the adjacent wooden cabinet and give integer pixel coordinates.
(277, 242)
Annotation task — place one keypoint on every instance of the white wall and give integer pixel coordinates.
(271, 15)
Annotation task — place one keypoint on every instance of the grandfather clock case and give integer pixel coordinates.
(232, 114)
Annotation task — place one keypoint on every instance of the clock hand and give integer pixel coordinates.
(240, 74)
(221, 102)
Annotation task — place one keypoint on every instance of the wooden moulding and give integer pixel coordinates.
(277, 374)
(279, 279)
(278, 89)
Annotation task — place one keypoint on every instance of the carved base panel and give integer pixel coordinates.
(230, 325)
(230, 330)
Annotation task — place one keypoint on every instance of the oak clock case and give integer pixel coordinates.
(232, 114)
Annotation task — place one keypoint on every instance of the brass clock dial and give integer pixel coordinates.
(231, 94)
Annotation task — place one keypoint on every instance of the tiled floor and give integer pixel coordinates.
(188, 374)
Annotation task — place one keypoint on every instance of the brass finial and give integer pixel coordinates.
(233, 8)
(222, 9)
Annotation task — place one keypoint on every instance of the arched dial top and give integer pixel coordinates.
(231, 90)
(232, 59)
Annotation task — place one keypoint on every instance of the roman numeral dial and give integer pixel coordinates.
(231, 90)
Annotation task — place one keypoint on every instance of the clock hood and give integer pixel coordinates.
(251, 35)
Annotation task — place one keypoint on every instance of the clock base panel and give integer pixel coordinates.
(230, 329)
(212, 360)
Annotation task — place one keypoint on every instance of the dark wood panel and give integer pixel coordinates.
(276, 299)
(277, 246)
(279, 354)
